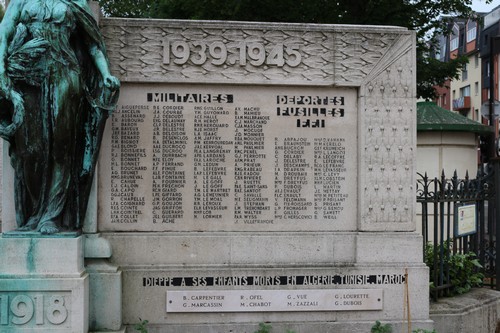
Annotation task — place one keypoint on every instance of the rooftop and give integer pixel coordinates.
(431, 117)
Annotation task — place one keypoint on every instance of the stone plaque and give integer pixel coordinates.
(35, 310)
(230, 158)
(274, 300)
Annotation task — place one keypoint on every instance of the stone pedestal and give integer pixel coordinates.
(43, 285)
(105, 286)
(278, 264)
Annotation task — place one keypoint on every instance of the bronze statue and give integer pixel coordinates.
(56, 93)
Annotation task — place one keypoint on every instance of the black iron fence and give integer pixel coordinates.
(458, 221)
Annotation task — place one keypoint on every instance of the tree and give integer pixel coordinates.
(1, 12)
(127, 8)
(426, 17)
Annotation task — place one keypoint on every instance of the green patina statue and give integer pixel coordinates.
(56, 93)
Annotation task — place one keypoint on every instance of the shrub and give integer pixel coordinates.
(464, 268)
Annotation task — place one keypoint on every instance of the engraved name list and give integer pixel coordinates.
(230, 158)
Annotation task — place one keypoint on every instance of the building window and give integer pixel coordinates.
(454, 94)
(471, 34)
(465, 91)
(476, 61)
(444, 100)
(476, 88)
(454, 44)
(465, 73)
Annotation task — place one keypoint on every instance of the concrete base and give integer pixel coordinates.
(105, 296)
(268, 261)
(43, 285)
(477, 311)
(105, 286)
(316, 327)
(121, 330)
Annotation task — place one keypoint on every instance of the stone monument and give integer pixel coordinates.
(56, 92)
(256, 172)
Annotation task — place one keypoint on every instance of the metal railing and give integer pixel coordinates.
(441, 201)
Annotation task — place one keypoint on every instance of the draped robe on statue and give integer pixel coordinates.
(55, 148)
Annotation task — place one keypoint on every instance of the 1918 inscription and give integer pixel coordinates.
(231, 158)
(33, 310)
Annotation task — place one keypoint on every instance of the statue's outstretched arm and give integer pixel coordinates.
(101, 62)
(99, 58)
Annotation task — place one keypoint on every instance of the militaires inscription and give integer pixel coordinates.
(231, 158)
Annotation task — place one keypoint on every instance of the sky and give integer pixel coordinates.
(481, 6)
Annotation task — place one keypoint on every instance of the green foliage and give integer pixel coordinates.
(464, 272)
(141, 327)
(426, 17)
(381, 328)
(312, 11)
(387, 328)
(432, 72)
(464, 268)
(128, 8)
(264, 328)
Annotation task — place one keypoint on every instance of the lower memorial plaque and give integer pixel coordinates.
(274, 300)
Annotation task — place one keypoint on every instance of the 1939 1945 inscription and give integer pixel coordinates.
(256, 54)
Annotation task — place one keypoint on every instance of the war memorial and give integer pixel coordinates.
(251, 172)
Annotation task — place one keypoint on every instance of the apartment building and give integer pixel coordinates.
(466, 91)
(490, 49)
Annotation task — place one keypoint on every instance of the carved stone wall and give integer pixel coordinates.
(387, 140)
(378, 61)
